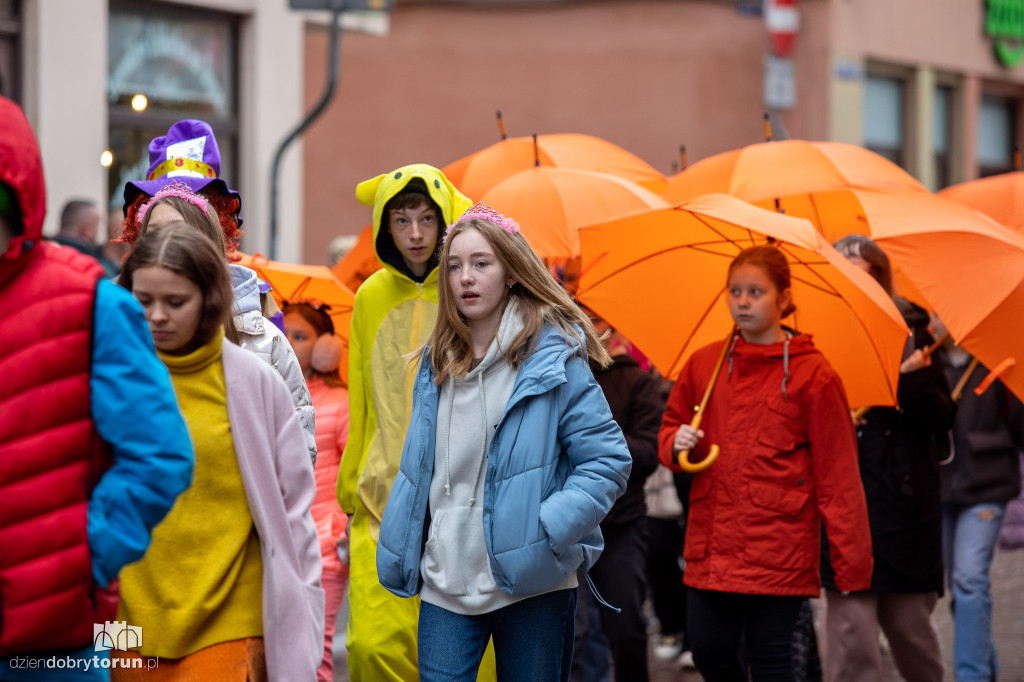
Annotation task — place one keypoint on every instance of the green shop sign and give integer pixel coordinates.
(1004, 23)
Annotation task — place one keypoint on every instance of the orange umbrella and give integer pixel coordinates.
(767, 170)
(1001, 197)
(665, 292)
(804, 179)
(876, 213)
(291, 283)
(359, 263)
(482, 170)
(551, 204)
(968, 267)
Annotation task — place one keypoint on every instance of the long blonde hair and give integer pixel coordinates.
(539, 297)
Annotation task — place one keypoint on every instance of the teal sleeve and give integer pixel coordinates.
(136, 412)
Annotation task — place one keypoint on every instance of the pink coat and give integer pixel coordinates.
(331, 406)
(279, 485)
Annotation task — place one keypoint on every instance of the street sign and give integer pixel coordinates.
(345, 5)
(782, 19)
(779, 82)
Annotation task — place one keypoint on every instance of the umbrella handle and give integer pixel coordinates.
(958, 390)
(693, 467)
(683, 458)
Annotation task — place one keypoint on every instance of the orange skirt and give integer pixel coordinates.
(240, 660)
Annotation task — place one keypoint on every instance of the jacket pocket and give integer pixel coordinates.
(699, 518)
(777, 531)
(783, 427)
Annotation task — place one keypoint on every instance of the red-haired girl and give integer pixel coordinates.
(789, 460)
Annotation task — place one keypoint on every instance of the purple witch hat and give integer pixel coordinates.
(188, 153)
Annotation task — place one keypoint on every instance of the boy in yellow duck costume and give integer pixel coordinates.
(394, 314)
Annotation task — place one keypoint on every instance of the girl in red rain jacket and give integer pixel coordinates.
(788, 461)
(311, 335)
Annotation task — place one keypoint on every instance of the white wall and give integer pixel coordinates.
(65, 65)
(65, 70)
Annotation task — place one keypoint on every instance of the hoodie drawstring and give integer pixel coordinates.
(448, 437)
(785, 367)
(732, 347)
(597, 595)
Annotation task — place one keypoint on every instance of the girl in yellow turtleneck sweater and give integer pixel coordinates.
(230, 585)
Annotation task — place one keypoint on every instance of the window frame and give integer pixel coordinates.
(227, 128)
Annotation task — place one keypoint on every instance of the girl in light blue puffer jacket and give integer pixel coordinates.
(510, 463)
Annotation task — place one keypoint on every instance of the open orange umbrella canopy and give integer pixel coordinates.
(877, 213)
(968, 267)
(293, 283)
(482, 170)
(1001, 197)
(660, 278)
(767, 170)
(551, 204)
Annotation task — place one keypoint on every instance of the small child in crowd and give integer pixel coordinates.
(310, 331)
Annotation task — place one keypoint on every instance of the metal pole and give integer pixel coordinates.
(332, 79)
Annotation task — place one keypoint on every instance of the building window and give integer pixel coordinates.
(996, 135)
(942, 135)
(10, 49)
(168, 63)
(883, 117)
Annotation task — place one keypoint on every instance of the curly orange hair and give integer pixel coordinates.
(227, 208)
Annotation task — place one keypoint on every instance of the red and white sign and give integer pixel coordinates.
(782, 19)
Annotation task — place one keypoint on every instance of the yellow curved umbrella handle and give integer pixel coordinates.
(683, 458)
(693, 467)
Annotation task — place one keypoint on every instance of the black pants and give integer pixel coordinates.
(668, 594)
(620, 576)
(722, 624)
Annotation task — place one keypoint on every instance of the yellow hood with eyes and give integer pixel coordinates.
(378, 191)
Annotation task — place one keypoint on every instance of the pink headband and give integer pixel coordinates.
(175, 189)
(487, 213)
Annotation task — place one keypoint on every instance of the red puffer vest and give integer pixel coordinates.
(50, 453)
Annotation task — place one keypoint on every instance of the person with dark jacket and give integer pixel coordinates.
(899, 450)
(981, 475)
(85, 474)
(620, 575)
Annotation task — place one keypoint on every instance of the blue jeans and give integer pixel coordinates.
(969, 536)
(592, 657)
(532, 640)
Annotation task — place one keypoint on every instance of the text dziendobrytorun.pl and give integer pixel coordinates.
(73, 663)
